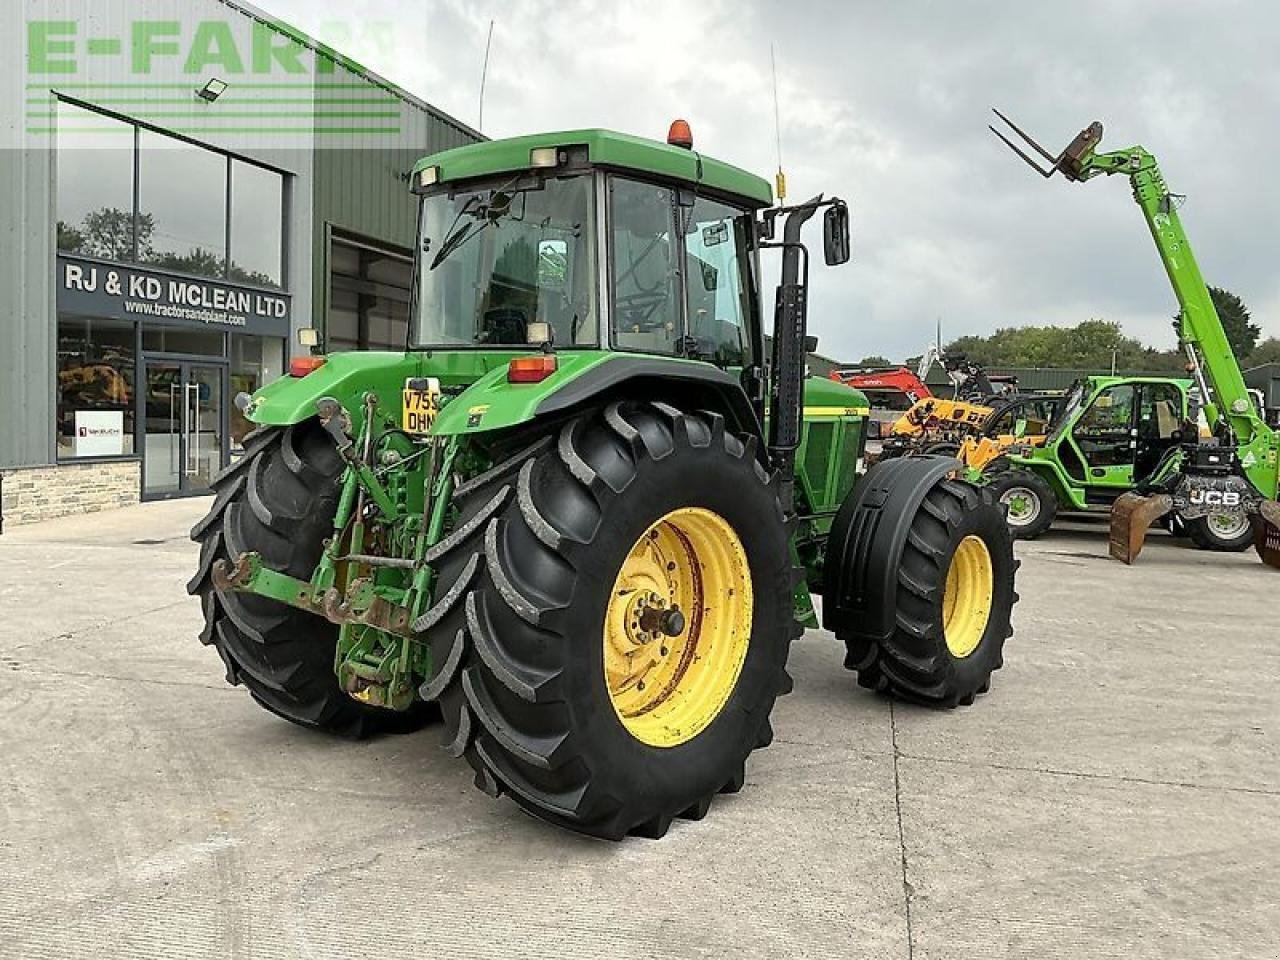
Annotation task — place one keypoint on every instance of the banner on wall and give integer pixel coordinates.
(95, 289)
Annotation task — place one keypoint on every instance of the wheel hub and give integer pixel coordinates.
(1228, 526)
(1023, 505)
(969, 596)
(677, 626)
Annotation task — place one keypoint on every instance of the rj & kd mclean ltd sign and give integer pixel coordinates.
(110, 290)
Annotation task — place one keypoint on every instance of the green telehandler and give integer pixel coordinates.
(1109, 436)
(1223, 487)
(581, 516)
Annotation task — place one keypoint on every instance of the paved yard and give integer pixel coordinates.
(1117, 794)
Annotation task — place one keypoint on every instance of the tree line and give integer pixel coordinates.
(1096, 344)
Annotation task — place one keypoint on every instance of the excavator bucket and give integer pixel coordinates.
(1267, 533)
(1131, 516)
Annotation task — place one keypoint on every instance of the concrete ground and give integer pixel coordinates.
(1116, 795)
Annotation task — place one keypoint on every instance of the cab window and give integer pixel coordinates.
(645, 275)
(1103, 431)
(1160, 415)
(716, 301)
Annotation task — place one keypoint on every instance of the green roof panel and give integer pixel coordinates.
(605, 148)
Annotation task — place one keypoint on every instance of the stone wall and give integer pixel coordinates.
(28, 494)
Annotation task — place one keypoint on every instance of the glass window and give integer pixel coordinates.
(498, 259)
(717, 306)
(95, 184)
(1103, 431)
(1160, 415)
(368, 296)
(257, 224)
(646, 305)
(95, 398)
(159, 339)
(182, 204)
(255, 362)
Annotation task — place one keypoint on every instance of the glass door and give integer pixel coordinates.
(184, 430)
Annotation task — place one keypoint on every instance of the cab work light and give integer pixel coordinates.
(544, 156)
(301, 366)
(428, 176)
(531, 369)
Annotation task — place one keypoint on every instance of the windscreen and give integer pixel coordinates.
(1067, 411)
(495, 259)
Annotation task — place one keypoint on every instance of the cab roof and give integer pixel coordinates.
(605, 148)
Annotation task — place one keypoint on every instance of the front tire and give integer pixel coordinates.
(553, 546)
(279, 499)
(1224, 532)
(954, 601)
(1029, 502)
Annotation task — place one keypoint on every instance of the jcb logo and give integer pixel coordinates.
(1215, 498)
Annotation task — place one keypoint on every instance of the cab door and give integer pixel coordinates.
(1160, 412)
(1104, 443)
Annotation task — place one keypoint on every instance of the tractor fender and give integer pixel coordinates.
(589, 377)
(864, 549)
(344, 376)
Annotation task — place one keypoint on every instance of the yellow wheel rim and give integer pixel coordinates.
(966, 605)
(677, 627)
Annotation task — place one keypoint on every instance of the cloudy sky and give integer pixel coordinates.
(886, 104)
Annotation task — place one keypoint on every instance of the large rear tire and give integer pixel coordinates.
(564, 676)
(279, 500)
(954, 600)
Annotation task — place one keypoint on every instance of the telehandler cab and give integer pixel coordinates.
(1233, 475)
(581, 513)
(1108, 437)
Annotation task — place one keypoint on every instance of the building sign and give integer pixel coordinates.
(99, 433)
(96, 289)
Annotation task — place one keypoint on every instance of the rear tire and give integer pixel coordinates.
(526, 585)
(279, 500)
(943, 448)
(954, 601)
(1029, 502)
(1222, 532)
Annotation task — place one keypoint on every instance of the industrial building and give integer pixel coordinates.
(182, 192)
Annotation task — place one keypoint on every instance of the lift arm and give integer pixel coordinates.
(1200, 330)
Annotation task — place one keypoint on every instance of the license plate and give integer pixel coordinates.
(421, 404)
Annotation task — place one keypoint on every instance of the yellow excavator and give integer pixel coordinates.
(986, 416)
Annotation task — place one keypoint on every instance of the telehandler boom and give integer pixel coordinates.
(1235, 470)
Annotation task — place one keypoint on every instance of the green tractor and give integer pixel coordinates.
(1109, 437)
(581, 516)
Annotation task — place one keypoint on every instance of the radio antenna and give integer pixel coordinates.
(781, 178)
(484, 72)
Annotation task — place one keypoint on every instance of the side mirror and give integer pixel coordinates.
(835, 234)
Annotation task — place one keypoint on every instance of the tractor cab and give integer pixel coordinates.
(589, 240)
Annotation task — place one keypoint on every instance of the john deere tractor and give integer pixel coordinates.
(581, 515)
